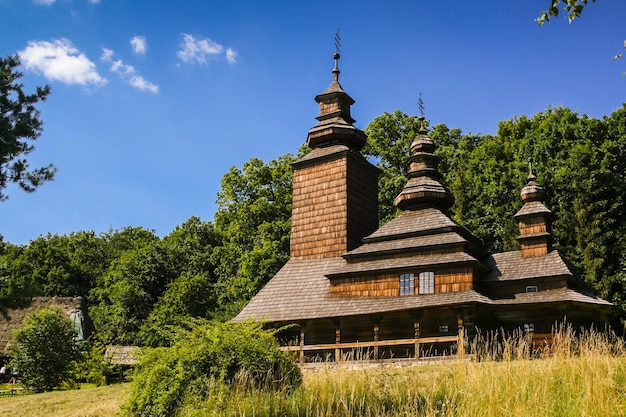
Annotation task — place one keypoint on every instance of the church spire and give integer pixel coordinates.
(424, 187)
(335, 125)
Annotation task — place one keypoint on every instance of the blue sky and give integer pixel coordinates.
(153, 101)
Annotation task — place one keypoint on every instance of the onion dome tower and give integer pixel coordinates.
(534, 218)
(424, 187)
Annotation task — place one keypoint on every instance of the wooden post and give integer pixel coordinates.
(337, 323)
(376, 321)
(416, 328)
(304, 326)
(376, 330)
(417, 316)
(301, 356)
(461, 340)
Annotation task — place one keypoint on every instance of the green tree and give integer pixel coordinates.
(389, 139)
(126, 294)
(190, 296)
(44, 350)
(19, 127)
(253, 220)
(53, 265)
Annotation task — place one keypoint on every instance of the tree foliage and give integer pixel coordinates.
(44, 350)
(573, 8)
(253, 221)
(20, 125)
(214, 356)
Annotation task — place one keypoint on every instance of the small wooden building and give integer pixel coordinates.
(420, 283)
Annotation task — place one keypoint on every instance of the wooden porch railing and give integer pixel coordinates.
(337, 347)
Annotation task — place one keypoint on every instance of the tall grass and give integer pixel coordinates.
(580, 374)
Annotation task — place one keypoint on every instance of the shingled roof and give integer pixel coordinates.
(300, 291)
(509, 266)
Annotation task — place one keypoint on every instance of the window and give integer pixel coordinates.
(426, 282)
(531, 288)
(529, 327)
(407, 284)
(443, 328)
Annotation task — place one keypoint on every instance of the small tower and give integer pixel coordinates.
(335, 189)
(534, 218)
(424, 187)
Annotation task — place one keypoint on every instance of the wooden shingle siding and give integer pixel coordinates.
(534, 249)
(334, 203)
(532, 226)
(454, 280)
(388, 285)
(319, 214)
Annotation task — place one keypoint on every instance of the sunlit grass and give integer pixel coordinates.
(84, 402)
(576, 376)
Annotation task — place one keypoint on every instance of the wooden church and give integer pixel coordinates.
(420, 283)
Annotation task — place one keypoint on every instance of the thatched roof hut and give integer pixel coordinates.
(12, 318)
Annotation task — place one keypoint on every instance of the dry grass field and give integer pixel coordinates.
(578, 377)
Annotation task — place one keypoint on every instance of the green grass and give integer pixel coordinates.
(84, 402)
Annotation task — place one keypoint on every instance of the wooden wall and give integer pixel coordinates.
(539, 245)
(388, 285)
(334, 205)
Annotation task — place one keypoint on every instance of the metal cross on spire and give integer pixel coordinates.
(337, 42)
(420, 104)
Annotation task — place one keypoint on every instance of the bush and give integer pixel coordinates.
(44, 350)
(214, 357)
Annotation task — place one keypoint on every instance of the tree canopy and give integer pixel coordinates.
(20, 125)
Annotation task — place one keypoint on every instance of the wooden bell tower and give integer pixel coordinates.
(335, 189)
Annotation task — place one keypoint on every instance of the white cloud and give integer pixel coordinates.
(139, 45)
(94, 1)
(231, 56)
(196, 50)
(107, 55)
(59, 60)
(139, 82)
(127, 72)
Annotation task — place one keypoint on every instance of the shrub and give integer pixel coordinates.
(44, 350)
(214, 357)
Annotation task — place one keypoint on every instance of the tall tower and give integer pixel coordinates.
(335, 189)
